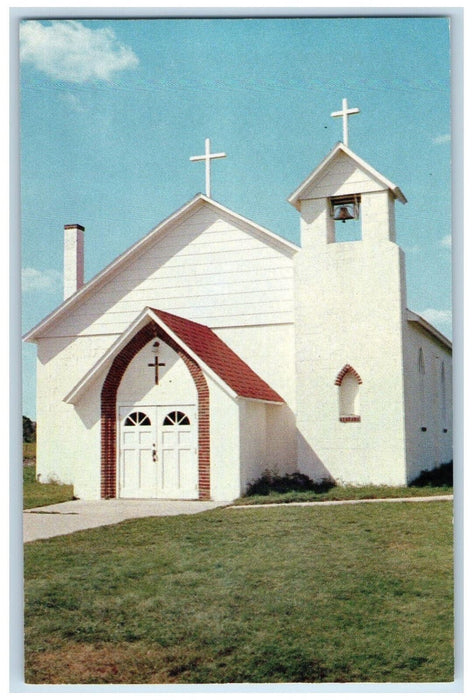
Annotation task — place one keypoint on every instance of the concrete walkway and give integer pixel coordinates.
(64, 518)
(407, 499)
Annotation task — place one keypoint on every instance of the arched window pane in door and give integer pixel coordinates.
(137, 418)
(176, 418)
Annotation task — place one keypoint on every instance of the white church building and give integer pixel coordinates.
(214, 349)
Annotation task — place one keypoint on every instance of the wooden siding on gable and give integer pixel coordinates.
(344, 176)
(207, 269)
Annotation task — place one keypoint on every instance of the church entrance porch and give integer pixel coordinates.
(158, 452)
(160, 420)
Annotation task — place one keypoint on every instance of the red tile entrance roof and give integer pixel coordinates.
(219, 358)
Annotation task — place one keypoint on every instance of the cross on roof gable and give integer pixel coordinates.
(208, 157)
(299, 194)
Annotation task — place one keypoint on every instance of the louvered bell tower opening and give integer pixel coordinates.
(345, 212)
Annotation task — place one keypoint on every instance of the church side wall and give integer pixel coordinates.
(68, 443)
(429, 402)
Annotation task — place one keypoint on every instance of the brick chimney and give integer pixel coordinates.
(73, 258)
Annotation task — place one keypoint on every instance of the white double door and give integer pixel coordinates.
(158, 452)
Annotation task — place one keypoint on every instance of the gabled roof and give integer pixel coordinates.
(141, 246)
(203, 345)
(420, 321)
(298, 194)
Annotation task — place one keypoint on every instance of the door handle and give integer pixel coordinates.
(154, 453)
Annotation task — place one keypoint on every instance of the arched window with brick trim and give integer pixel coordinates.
(348, 381)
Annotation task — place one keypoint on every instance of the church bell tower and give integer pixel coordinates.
(350, 320)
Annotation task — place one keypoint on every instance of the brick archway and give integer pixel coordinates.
(347, 369)
(108, 400)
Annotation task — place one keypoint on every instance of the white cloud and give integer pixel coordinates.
(438, 317)
(67, 50)
(36, 280)
(446, 241)
(73, 102)
(443, 138)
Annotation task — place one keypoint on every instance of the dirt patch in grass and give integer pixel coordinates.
(85, 663)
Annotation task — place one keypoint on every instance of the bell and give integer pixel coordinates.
(342, 214)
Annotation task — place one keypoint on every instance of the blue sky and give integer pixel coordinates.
(112, 110)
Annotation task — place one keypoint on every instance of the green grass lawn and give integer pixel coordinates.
(29, 451)
(358, 593)
(36, 494)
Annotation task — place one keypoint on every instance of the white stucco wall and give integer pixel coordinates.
(281, 442)
(253, 454)
(224, 444)
(68, 441)
(176, 386)
(85, 438)
(270, 351)
(428, 401)
(267, 440)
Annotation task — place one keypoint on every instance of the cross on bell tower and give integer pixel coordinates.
(345, 113)
(208, 156)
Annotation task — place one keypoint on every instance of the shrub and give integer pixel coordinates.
(271, 481)
(29, 430)
(440, 476)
